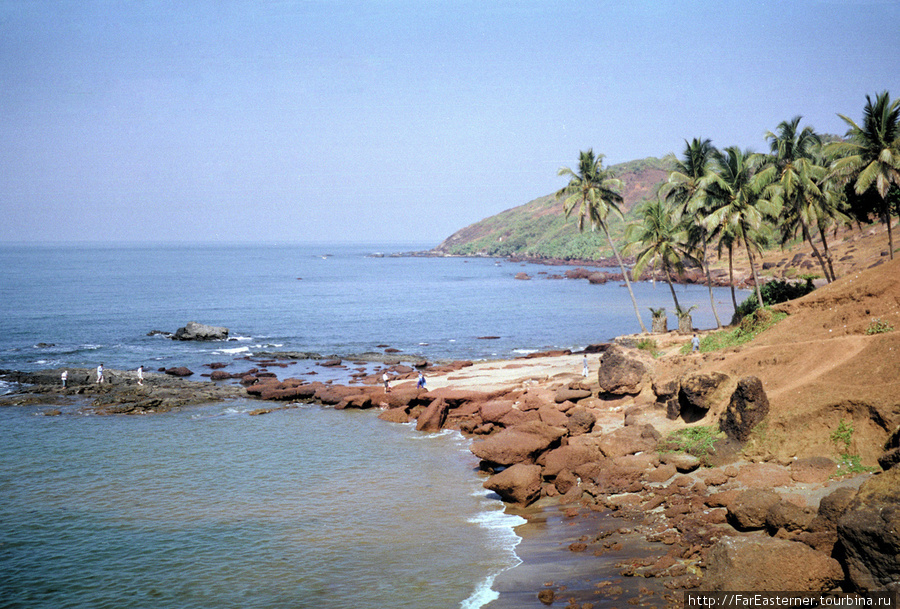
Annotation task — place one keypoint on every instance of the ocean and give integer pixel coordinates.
(305, 507)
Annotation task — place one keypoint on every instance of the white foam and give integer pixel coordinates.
(239, 338)
(235, 350)
(482, 595)
(502, 527)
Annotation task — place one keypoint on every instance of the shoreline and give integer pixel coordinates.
(639, 534)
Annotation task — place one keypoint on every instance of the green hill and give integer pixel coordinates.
(539, 229)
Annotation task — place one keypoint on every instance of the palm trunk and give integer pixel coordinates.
(731, 276)
(887, 218)
(827, 253)
(755, 277)
(816, 253)
(672, 288)
(712, 303)
(625, 275)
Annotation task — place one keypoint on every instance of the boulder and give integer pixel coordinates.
(767, 564)
(683, 462)
(629, 440)
(434, 416)
(552, 416)
(870, 533)
(749, 509)
(495, 410)
(394, 415)
(194, 331)
(519, 484)
(700, 391)
(789, 517)
(831, 507)
(568, 458)
(624, 371)
(749, 405)
(519, 444)
(179, 371)
(891, 455)
(581, 421)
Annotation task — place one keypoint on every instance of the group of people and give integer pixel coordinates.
(386, 379)
(64, 377)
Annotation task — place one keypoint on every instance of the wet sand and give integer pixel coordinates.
(577, 554)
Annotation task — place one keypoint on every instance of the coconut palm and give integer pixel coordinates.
(870, 157)
(794, 177)
(662, 242)
(596, 193)
(737, 211)
(684, 191)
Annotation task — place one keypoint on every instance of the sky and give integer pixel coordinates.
(389, 121)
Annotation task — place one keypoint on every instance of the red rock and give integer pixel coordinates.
(520, 484)
(434, 416)
(769, 565)
(629, 440)
(813, 469)
(517, 444)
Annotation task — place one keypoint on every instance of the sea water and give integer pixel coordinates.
(304, 507)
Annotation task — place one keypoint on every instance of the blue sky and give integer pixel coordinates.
(389, 120)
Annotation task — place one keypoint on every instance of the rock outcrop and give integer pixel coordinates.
(869, 532)
(194, 331)
(749, 405)
(770, 565)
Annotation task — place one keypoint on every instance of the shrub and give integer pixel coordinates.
(773, 292)
(879, 326)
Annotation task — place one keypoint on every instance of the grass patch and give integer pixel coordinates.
(649, 345)
(750, 327)
(699, 441)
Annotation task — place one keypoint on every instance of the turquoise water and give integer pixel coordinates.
(307, 507)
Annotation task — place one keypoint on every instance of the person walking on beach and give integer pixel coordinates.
(695, 343)
(64, 377)
(584, 369)
(100, 374)
(387, 382)
(140, 375)
(420, 384)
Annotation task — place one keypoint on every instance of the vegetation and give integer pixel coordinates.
(774, 292)
(751, 326)
(849, 463)
(699, 441)
(595, 191)
(870, 158)
(879, 326)
(806, 186)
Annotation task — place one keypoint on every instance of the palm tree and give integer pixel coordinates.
(663, 241)
(737, 211)
(795, 177)
(595, 190)
(684, 191)
(871, 155)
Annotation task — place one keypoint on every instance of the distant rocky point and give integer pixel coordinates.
(194, 331)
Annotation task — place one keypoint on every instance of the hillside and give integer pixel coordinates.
(539, 229)
(821, 366)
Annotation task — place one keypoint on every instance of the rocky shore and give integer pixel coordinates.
(765, 467)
